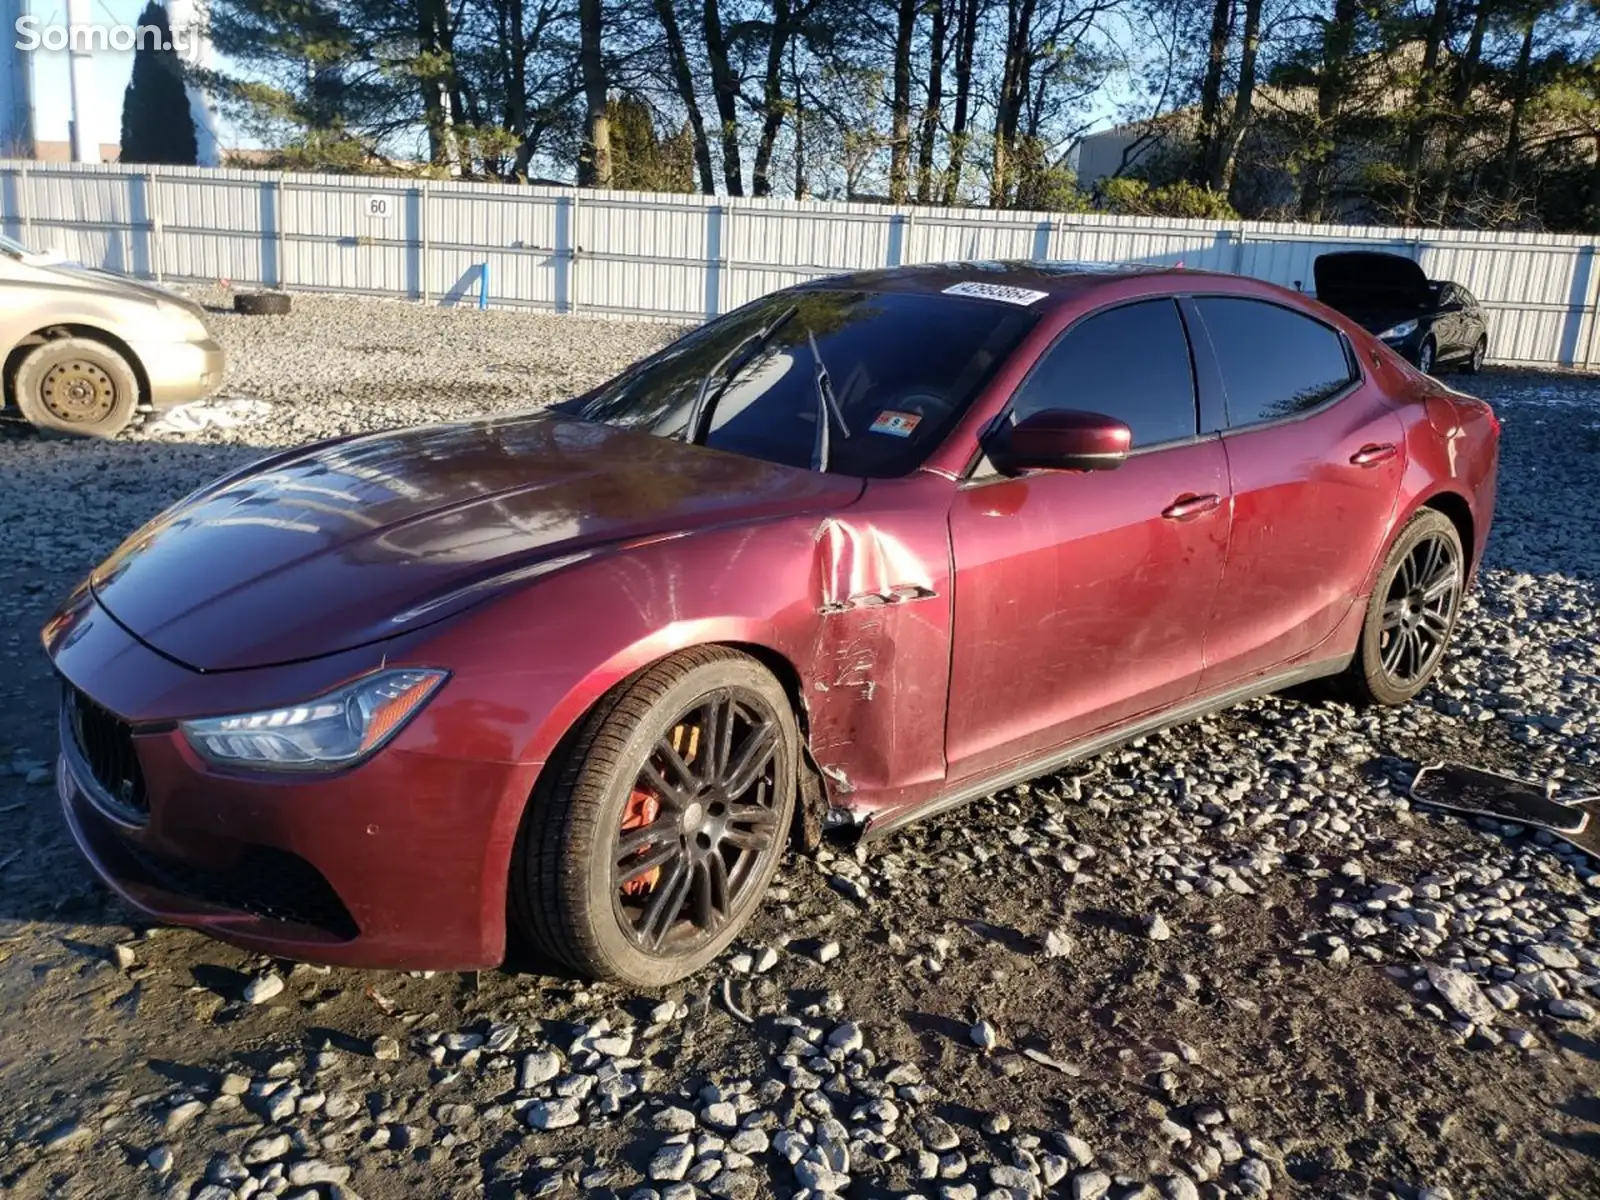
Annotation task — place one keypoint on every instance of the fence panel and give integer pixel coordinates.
(685, 258)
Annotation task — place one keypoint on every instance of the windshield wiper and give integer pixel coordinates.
(705, 400)
(827, 409)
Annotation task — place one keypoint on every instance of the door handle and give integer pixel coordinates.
(1374, 453)
(1187, 508)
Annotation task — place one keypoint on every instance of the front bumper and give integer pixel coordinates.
(181, 372)
(398, 863)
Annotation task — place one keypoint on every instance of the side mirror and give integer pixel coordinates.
(1057, 439)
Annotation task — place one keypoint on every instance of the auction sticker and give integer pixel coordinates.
(996, 291)
(896, 424)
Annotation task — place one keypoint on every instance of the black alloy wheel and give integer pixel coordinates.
(702, 820)
(1412, 612)
(1420, 609)
(653, 833)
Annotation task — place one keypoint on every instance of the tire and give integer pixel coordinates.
(575, 894)
(1474, 361)
(1383, 672)
(1427, 356)
(262, 304)
(77, 386)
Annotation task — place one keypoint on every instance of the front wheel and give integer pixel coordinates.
(1412, 613)
(1425, 356)
(76, 385)
(652, 840)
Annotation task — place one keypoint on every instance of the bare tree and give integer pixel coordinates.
(1423, 114)
(683, 80)
(594, 165)
(939, 15)
(970, 13)
(725, 88)
(1225, 147)
(900, 105)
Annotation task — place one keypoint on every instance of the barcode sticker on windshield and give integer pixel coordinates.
(996, 291)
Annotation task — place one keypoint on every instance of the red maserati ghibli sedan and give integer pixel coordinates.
(856, 553)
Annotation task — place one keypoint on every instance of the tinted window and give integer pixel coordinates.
(1131, 363)
(904, 366)
(1275, 363)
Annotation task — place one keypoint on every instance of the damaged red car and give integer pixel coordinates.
(853, 554)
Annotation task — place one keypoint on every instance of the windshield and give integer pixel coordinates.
(897, 369)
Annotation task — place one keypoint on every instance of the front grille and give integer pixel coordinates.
(263, 882)
(106, 743)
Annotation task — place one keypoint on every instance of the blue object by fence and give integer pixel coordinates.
(483, 288)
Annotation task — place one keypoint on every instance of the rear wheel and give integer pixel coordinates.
(77, 385)
(1412, 613)
(655, 836)
(1425, 356)
(1474, 362)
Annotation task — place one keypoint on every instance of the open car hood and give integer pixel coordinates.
(338, 545)
(1363, 281)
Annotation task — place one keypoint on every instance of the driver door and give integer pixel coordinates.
(1082, 599)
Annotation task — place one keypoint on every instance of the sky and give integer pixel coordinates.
(52, 90)
(52, 103)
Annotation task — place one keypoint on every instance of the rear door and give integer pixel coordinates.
(1315, 457)
(1081, 597)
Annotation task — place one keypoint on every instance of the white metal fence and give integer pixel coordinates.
(684, 258)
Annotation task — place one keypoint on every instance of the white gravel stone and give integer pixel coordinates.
(671, 1162)
(554, 1114)
(181, 1114)
(263, 988)
(1569, 1009)
(1460, 990)
(267, 1149)
(537, 1068)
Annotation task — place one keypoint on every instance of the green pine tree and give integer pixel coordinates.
(157, 126)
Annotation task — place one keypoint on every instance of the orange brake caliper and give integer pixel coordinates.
(642, 810)
(644, 807)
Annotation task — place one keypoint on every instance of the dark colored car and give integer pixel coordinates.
(1428, 322)
(853, 554)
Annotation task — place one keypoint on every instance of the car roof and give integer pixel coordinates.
(1058, 280)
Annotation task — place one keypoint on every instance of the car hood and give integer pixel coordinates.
(1367, 281)
(349, 542)
(76, 275)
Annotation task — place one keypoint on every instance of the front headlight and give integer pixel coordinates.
(1396, 332)
(184, 324)
(332, 731)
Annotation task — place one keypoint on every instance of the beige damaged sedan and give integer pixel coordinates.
(84, 350)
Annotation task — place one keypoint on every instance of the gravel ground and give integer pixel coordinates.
(1229, 960)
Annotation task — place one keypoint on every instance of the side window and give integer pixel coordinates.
(1449, 293)
(1131, 363)
(1274, 361)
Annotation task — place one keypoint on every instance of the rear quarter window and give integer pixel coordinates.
(1275, 363)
